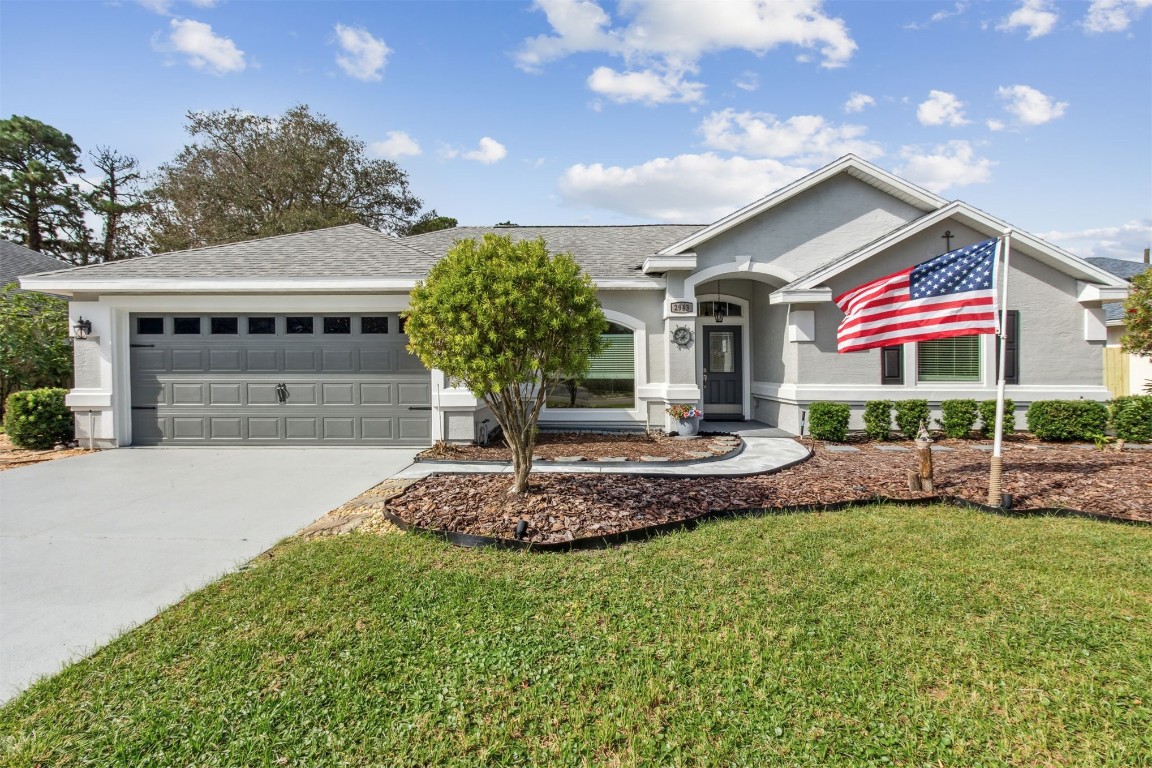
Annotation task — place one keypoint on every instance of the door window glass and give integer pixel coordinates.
(149, 325)
(186, 325)
(374, 325)
(721, 352)
(225, 325)
(337, 325)
(261, 325)
(299, 325)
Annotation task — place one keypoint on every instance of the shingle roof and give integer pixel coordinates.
(604, 251)
(17, 261)
(1119, 267)
(352, 250)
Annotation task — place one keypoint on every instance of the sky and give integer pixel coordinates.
(642, 111)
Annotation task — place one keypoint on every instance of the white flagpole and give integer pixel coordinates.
(994, 488)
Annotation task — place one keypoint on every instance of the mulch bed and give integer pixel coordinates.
(563, 507)
(590, 446)
(12, 457)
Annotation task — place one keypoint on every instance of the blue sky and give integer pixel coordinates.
(576, 111)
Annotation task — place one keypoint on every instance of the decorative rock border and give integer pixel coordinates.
(690, 523)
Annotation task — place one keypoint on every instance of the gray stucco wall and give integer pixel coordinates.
(648, 308)
(773, 357)
(812, 229)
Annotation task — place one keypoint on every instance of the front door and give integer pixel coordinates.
(723, 373)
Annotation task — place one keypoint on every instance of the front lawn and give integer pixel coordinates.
(877, 636)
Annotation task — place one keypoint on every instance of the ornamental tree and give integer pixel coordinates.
(1137, 338)
(509, 321)
(35, 350)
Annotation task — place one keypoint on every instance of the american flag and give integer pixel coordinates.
(950, 295)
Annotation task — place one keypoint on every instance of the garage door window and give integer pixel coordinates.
(373, 325)
(225, 326)
(299, 325)
(149, 325)
(186, 326)
(261, 325)
(338, 325)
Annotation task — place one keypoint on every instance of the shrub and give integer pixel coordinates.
(828, 421)
(959, 417)
(988, 417)
(878, 419)
(1067, 419)
(909, 414)
(38, 418)
(1132, 418)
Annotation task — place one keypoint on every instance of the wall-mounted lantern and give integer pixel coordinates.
(83, 328)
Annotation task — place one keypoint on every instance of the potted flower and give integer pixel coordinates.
(688, 415)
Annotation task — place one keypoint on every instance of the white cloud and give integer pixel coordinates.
(748, 81)
(686, 188)
(995, 125)
(1029, 106)
(807, 139)
(941, 108)
(939, 16)
(364, 56)
(858, 101)
(1114, 15)
(661, 42)
(488, 151)
(203, 48)
(645, 86)
(164, 7)
(1126, 241)
(1037, 16)
(397, 144)
(954, 164)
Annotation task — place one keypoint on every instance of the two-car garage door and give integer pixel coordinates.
(273, 379)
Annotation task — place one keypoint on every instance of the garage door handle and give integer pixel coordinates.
(419, 407)
(143, 407)
(134, 346)
(282, 393)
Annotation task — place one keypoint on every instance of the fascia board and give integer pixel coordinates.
(800, 296)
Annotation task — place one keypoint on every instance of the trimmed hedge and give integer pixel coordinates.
(909, 414)
(959, 417)
(828, 421)
(1067, 419)
(878, 419)
(38, 418)
(1132, 418)
(987, 410)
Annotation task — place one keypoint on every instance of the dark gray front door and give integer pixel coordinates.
(276, 379)
(723, 372)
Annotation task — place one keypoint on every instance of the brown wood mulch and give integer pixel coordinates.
(562, 507)
(12, 457)
(590, 446)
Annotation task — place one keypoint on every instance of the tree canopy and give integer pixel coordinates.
(1137, 338)
(509, 321)
(248, 176)
(42, 209)
(430, 222)
(118, 199)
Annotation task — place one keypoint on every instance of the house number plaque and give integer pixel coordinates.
(682, 307)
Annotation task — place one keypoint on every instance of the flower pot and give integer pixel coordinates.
(688, 427)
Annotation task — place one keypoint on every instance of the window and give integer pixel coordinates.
(611, 378)
(337, 325)
(149, 325)
(373, 325)
(1012, 349)
(261, 326)
(186, 325)
(298, 324)
(952, 359)
(224, 325)
(708, 309)
(892, 365)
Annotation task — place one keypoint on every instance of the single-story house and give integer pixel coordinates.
(298, 339)
(1123, 374)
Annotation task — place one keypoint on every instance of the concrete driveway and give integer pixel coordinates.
(94, 545)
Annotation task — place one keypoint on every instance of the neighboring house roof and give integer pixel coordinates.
(1114, 313)
(604, 251)
(17, 261)
(851, 165)
(978, 220)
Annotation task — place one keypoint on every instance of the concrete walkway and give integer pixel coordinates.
(93, 545)
(761, 454)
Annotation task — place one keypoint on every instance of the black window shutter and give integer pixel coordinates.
(1011, 350)
(892, 364)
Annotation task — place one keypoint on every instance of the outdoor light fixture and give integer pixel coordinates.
(718, 313)
(82, 328)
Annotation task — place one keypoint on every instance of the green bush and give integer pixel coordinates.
(1067, 419)
(909, 414)
(38, 418)
(828, 421)
(988, 417)
(878, 419)
(959, 417)
(1132, 418)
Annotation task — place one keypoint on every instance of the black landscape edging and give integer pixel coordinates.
(690, 523)
(592, 463)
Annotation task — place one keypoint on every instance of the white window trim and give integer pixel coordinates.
(640, 369)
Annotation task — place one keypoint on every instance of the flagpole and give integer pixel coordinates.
(995, 499)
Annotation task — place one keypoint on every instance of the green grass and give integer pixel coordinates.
(877, 636)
